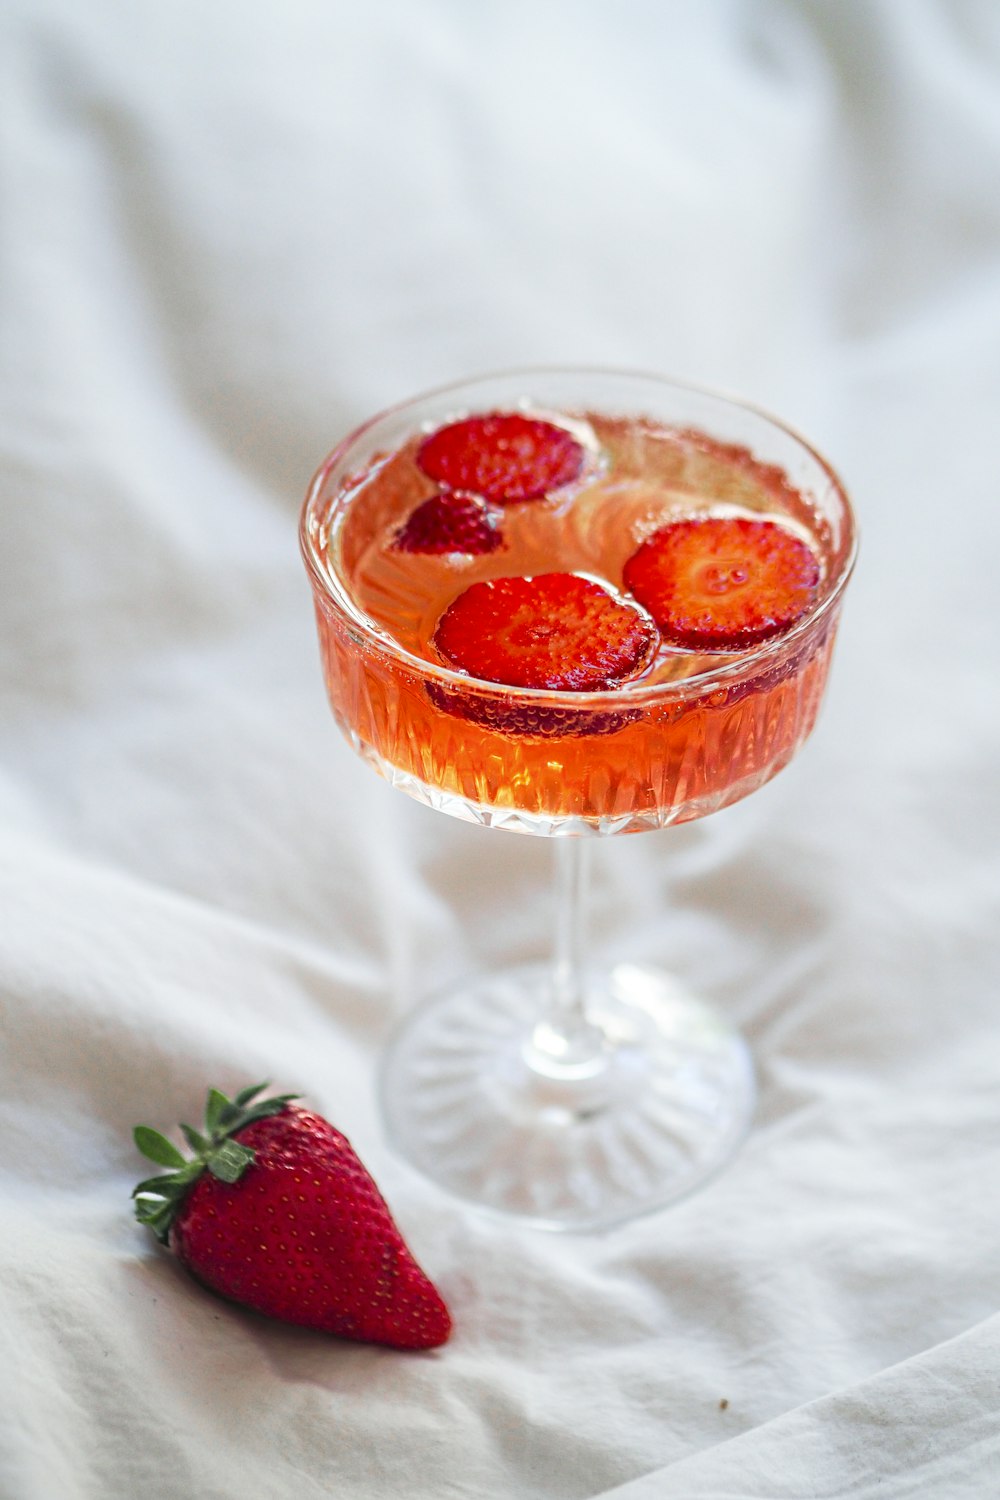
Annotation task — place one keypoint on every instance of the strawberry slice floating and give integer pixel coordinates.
(275, 1211)
(503, 456)
(723, 581)
(526, 720)
(450, 522)
(556, 630)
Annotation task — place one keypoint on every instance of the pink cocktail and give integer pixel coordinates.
(574, 602)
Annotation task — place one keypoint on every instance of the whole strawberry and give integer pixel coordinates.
(276, 1212)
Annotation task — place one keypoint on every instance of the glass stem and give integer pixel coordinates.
(565, 1043)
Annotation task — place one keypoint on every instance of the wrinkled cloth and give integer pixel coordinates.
(228, 232)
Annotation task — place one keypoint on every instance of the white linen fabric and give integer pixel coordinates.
(228, 231)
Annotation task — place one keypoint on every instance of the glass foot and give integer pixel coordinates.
(476, 1098)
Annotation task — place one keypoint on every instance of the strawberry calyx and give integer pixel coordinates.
(158, 1199)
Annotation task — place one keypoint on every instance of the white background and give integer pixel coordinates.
(227, 232)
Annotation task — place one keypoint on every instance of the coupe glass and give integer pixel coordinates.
(572, 1096)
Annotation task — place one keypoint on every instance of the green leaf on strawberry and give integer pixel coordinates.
(156, 1146)
(215, 1150)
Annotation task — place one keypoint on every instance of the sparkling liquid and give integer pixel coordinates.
(693, 732)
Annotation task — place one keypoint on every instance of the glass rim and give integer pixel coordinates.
(326, 585)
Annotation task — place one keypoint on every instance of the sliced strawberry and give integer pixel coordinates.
(503, 456)
(723, 581)
(525, 719)
(556, 631)
(450, 522)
